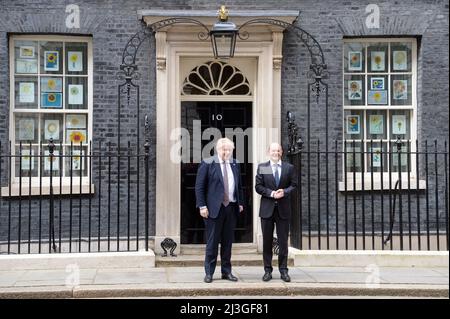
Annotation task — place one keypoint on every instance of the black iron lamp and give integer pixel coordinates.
(223, 35)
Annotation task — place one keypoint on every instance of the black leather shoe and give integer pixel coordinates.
(285, 277)
(229, 277)
(208, 279)
(267, 276)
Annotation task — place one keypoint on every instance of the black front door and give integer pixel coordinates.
(220, 115)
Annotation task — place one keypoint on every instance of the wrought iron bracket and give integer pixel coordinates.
(318, 70)
(295, 141)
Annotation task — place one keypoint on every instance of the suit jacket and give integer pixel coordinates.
(209, 187)
(265, 184)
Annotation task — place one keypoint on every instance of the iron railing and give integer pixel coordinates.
(47, 202)
(371, 204)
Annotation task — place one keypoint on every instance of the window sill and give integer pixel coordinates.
(45, 190)
(377, 185)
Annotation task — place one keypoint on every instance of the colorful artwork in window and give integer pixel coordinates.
(51, 61)
(26, 92)
(377, 97)
(353, 124)
(51, 100)
(51, 84)
(75, 94)
(355, 90)
(355, 61)
(398, 124)
(76, 136)
(377, 83)
(26, 52)
(376, 123)
(26, 129)
(400, 61)
(51, 129)
(377, 61)
(400, 90)
(75, 61)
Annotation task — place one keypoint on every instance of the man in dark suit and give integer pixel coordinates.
(219, 195)
(275, 180)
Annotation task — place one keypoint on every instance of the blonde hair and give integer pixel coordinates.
(221, 142)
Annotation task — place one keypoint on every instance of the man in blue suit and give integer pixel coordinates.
(219, 195)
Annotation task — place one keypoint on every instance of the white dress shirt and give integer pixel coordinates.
(231, 196)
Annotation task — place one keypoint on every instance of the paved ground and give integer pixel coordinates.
(188, 281)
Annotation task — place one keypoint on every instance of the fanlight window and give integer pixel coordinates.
(216, 78)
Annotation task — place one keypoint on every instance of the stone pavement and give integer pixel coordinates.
(188, 282)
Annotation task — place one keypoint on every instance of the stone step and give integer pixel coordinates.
(237, 259)
(200, 249)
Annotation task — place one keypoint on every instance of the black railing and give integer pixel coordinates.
(371, 203)
(59, 198)
(80, 198)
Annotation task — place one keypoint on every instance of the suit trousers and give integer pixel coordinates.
(220, 230)
(282, 225)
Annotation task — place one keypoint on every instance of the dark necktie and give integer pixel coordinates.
(277, 176)
(226, 195)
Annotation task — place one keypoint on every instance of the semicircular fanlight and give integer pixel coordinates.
(215, 78)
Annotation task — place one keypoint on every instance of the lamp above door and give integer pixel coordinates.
(223, 35)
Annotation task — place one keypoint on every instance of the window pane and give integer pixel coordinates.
(354, 57)
(353, 125)
(377, 57)
(26, 128)
(26, 55)
(401, 57)
(76, 93)
(51, 57)
(26, 92)
(400, 124)
(76, 58)
(401, 90)
(376, 124)
(377, 157)
(76, 160)
(51, 127)
(377, 90)
(354, 156)
(26, 160)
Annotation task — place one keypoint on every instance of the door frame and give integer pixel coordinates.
(171, 48)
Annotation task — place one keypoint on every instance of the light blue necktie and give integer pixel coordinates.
(277, 176)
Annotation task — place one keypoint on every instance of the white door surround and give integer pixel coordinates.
(260, 57)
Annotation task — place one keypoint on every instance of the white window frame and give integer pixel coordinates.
(36, 180)
(357, 177)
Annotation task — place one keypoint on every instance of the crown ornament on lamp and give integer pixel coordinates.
(223, 35)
